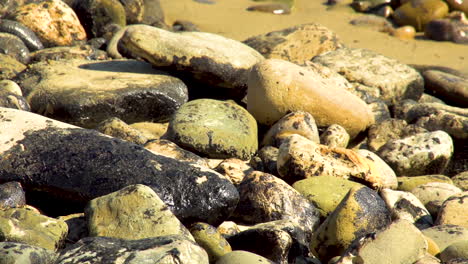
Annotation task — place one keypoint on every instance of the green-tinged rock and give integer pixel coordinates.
(134, 212)
(335, 137)
(461, 180)
(433, 194)
(454, 251)
(418, 13)
(325, 192)
(445, 235)
(217, 129)
(9, 67)
(19, 253)
(409, 183)
(242, 257)
(211, 240)
(26, 225)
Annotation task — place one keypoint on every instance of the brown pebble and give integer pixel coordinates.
(404, 33)
(278, 9)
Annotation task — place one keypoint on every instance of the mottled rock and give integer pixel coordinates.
(272, 244)
(9, 67)
(325, 192)
(167, 249)
(461, 180)
(234, 169)
(420, 154)
(335, 136)
(300, 158)
(77, 227)
(433, 194)
(97, 14)
(241, 257)
(450, 88)
(265, 197)
(12, 195)
(151, 130)
(43, 151)
(117, 128)
(409, 183)
(277, 87)
(361, 212)
(457, 250)
(228, 228)
(83, 52)
(53, 21)
(27, 226)
(296, 44)
(445, 235)
(454, 211)
(404, 205)
(206, 57)
(13, 46)
(301, 123)
(12, 100)
(169, 149)
(134, 10)
(268, 160)
(383, 248)
(215, 129)
(387, 78)
(388, 177)
(211, 240)
(134, 212)
(418, 13)
(19, 253)
(79, 91)
(10, 86)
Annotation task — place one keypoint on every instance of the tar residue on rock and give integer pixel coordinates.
(77, 165)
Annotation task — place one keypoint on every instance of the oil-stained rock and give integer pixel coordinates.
(266, 162)
(84, 93)
(213, 128)
(19, 253)
(296, 44)
(166, 249)
(13, 46)
(77, 227)
(448, 87)
(388, 177)
(210, 239)
(84, 52)
(57, 160)
(12, 100)
(454, 210)
(206, 57)
(12, 195)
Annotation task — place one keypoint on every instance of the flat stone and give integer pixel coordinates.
(296, 44)
(83, 52)
(79, 91)
(166, 249)
(19, 253)
(277, 87)
(335, 136)
(409, 183)
(213, 128)
(454, 210)
(389, 79)
(450, 88)
(433, 195)
(208, 58)
(132, 213)
(53, 21)
(12, 195)
(32, 146)
(28, 226)
(210, 239)
(241, 257)
(117, 128)
(445, 235)
(419, 154)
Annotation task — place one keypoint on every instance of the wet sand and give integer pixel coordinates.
(230, 19)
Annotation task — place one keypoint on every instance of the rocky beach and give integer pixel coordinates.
(222, 131)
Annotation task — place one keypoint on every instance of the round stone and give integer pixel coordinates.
(418, 13)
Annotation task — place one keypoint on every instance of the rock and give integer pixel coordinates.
(184, 25)
(454, 211)
(277, 9)
(19, 253)
(420, 154)
(404, 32)
(234, 169)
(24, 33)
(428, 259)
(54, 22)
(97, 14)
(78, 91)
(27, 226)
(151, 130)
(335, 136)
(361, 212)
(208, 58)
(388, 176)
(301, 123)
(169, 149)
(9, 67)
(273, 95)
(268, 160)
(432, 247)
(387, 78)
(77, 228)
(10, 86)
(418, 13)
(409, 183)
(228, 228)
(404, 205)
(101, 165)
(455, 5)
(272, 244)
(457, 250)
(215, 129)
(381, 248)
(427, 98)
(265, 197)
(13, 46)
(154, 14)
(132, 213)
(450, 88)
(296, 44)
(83, 52)
(300, 158)
(325, 192)
(134, 10)
(461, 180)
(117, 128)
(166, 249)
(11, 195)
(377, 23)
(241, 257)
(211, 240)
(454, 124)
(445, 235)
(433, 194)
(12, 100)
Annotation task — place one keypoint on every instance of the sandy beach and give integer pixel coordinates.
(230, 19)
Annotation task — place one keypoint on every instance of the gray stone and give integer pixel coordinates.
(335, 136)
(13, 46)
(117, 128)
(242, 257)
(419, 154)
(445, 235)
(390, 80)
(166, 249)
(19, 253)
(433, 194)
(216, 129)
(85, 93)
(12, 195)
